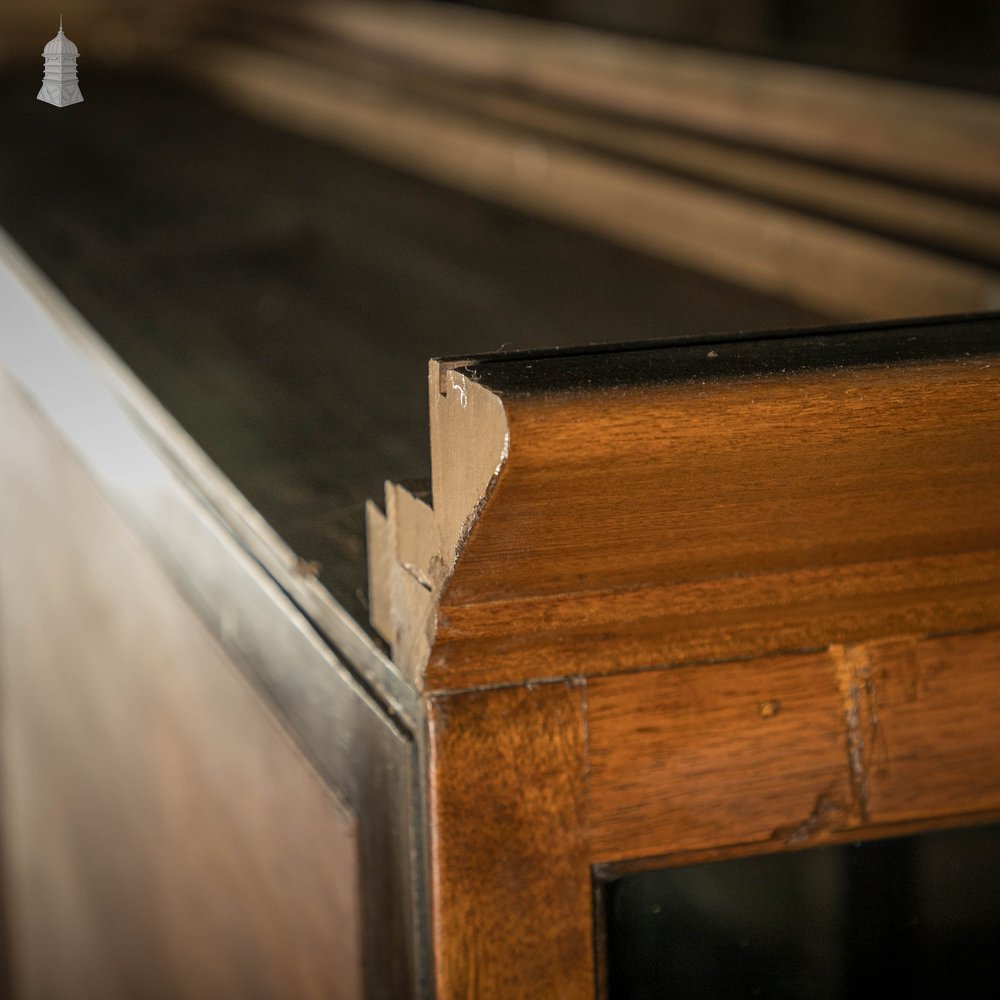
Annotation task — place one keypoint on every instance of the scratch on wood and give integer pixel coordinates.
(849, 671)
(459, 385)
(866, 746)
(417, 573)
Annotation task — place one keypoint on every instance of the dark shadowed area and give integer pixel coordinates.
(281, 296)
(918, 915)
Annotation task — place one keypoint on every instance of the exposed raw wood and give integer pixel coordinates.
(162, 834)
(417, 539)
(469, 446)
(683, 503)
(510, 883)
(381, 566)
(403, 555)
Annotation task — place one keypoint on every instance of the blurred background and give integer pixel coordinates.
(276, 212)
(949, 42)
(930, 40)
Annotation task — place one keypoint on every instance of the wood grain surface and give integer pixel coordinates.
(511, 892)
(163, 836)
(729, 511)
(928, 716)
(789, 751)
(714, 755)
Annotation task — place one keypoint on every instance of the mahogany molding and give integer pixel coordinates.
(611, 510)
(788, 751)
(510, 875)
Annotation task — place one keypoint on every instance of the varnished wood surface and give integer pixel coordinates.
(784, 752)
(510, 882)
(163, 837)
(282, 297)
(713, 755)
(928, 715)
(738, 468)
(676, 503)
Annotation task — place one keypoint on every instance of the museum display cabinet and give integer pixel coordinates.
(673, 602)
(646, 643)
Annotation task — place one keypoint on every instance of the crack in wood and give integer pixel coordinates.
(823, 813)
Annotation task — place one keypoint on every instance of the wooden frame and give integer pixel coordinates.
(758, 574)
(552, 716)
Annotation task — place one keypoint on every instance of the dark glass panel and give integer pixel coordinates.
(919, 914)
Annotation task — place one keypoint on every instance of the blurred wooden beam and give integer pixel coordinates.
(941, 137)
(739, 235)
(700, 500)
(108, 32)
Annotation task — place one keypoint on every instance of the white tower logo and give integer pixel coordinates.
(59, 86)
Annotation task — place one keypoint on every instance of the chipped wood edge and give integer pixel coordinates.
(414, 546)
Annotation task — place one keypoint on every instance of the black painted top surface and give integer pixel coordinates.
(737, 355)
